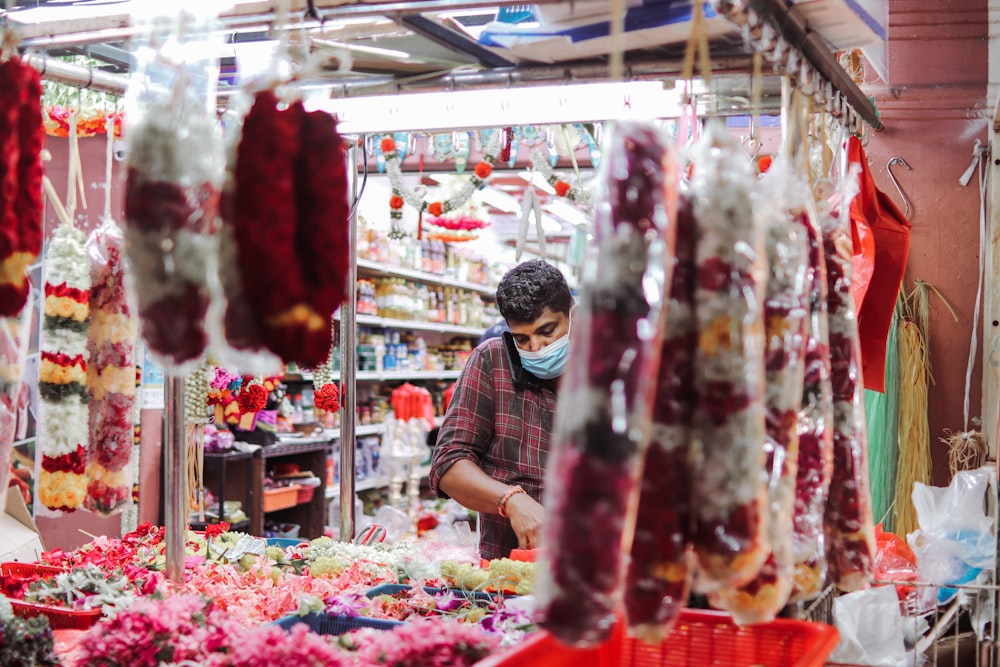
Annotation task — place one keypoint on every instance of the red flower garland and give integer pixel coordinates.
(327, 398)
(21, 139)
(252, 398)
(290, 218)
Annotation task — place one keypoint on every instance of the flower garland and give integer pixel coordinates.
(402, 194)
(195, 417)
(21, 141)
(63, 422)
(290, 221)
(110, 375)
(222, 393)
(326, 395)
(540, 163)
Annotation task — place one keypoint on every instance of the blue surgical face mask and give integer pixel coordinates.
(550, 361)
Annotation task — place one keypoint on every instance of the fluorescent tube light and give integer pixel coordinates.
(505, 107)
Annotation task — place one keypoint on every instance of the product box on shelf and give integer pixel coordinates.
(19, 538)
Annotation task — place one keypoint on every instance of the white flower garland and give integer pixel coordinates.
(63, 415)
(455, 200)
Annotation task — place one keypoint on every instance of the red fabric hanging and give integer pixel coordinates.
(891, 232)
(409, 402)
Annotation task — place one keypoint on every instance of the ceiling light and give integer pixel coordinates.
(504, 107)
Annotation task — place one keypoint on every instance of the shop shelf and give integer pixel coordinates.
(700, 639)
(369, 267)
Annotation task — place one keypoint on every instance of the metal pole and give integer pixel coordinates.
(175, 508)
(59, 71)
(348, 343)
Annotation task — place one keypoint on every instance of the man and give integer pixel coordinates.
(493, 445)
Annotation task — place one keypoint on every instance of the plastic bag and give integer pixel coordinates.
(602, 423)
(110, 375)
(729, 494)
(175, 163)
(871, 629)
(661, 566)
(848, 524)
(815, 426)
(891, 232)
(14, 334)
(955, 541)
(780, 207)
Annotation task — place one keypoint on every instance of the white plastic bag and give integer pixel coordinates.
(871, 628)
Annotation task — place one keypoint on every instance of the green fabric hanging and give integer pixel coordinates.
(883, 433)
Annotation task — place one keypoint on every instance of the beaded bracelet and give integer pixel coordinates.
(502, 503)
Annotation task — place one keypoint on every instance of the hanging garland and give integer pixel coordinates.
(325, 391)
(402, 194)
(541, 164)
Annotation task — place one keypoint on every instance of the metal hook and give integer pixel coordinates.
(888, 167)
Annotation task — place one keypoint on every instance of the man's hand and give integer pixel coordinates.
(526, 516)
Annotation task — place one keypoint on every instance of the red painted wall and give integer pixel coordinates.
(934, 107)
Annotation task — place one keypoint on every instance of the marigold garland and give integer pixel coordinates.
(90, 122)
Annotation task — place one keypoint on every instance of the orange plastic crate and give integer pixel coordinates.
(281, 498)
(700, 639)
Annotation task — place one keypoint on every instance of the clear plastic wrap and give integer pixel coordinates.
(815, 425)
(849, 528)
(62, 377)
(176, 163)
(661, 566)
(602, 425)
(730, 493)
(14, 333)
(780, 207)
(110, 374)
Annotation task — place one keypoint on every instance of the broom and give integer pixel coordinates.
(883, 433)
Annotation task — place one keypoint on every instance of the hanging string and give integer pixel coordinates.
(973, 345)
(109, 159)
(616, 64)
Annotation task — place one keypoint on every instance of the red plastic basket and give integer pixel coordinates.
(700, 639)
(59, 617)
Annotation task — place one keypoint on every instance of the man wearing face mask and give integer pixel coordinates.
(492, 448)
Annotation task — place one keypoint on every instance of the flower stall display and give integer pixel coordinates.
(21, 140)
(596, 460)
(175, 164)
(63, 420)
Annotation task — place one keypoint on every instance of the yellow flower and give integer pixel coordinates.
(717, 336)
(63, 306)
(55, 374)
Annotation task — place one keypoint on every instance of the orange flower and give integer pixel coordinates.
(764, 163)
(483, 170)
(562, 187)
(388, 145)
(434, 208)
(396, 202)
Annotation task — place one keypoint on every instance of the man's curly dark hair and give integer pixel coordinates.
(528, 288)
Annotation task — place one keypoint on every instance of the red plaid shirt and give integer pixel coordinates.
(501, 418)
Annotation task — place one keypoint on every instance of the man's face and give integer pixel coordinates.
(534, 336)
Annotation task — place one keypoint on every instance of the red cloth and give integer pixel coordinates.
(891, 230)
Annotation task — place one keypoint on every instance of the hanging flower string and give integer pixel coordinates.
(402, 194)
(326, 393)
(540, 162)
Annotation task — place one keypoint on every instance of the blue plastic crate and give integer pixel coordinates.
(328, 624)
(285, 542)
